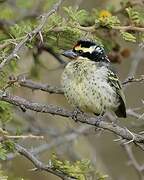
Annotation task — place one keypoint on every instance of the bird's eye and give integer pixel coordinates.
(80, 51)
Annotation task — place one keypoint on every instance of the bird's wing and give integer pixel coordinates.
(114, 81)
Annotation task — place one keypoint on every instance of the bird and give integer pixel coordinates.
(89, 82)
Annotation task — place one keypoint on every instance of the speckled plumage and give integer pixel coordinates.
(86, 85)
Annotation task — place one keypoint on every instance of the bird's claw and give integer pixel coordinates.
(98, 120)
(75, 114)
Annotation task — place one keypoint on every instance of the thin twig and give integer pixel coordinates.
(29, 136)
(39, 86)
(93, 28)
(139, 168)
(132, 113)
(30, 35)
(132, 79)
(45, 47)
(22, 81)
(61, 139)
(129, 28)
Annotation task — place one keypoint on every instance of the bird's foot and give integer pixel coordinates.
(75, 114)
(98, 120)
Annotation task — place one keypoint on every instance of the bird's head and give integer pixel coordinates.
(87, 49)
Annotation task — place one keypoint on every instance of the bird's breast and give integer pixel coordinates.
(85, 86)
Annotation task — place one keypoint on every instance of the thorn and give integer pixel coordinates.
(30, 36)
(133, 137)
(14, 43)
(40, 16)
(33, 169)
(21, 77)
(142, 132)
(141, 116)
(118, 139)
(41, 37)
(3, 93)
(23, 108)
(50, 163)
(141, 45)
(16, 56)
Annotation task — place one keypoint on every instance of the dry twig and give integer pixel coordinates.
(132, 161)
(30, 35)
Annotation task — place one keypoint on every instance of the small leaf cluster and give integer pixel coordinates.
(6, 147)
(76, 15)
(19, 30)
(80, 170)
(106, 19)
(5, 112)
(128, 36)
(136, 16)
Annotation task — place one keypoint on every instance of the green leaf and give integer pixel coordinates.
(134, 15)
(3, 152)
(5, 148)
(76, 15)
(109, 21)
(9, 146)
(81, 170)
(5, 112)
(128, 36)
(19, 30)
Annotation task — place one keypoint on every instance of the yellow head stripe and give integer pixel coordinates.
(90, 49)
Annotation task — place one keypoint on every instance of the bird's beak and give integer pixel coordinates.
(70, 54)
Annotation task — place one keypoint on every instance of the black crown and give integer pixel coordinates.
(97, 55)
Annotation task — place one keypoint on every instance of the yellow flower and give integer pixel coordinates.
(104, 14)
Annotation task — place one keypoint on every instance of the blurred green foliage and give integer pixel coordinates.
(5, 112)
(81, 170)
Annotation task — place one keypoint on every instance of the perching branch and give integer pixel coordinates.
(30, 35)
(83, 118)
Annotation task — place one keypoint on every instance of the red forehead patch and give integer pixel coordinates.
(76, 46)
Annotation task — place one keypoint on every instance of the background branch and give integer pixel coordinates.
(39, 86)
(39, 165)
(132, 161)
